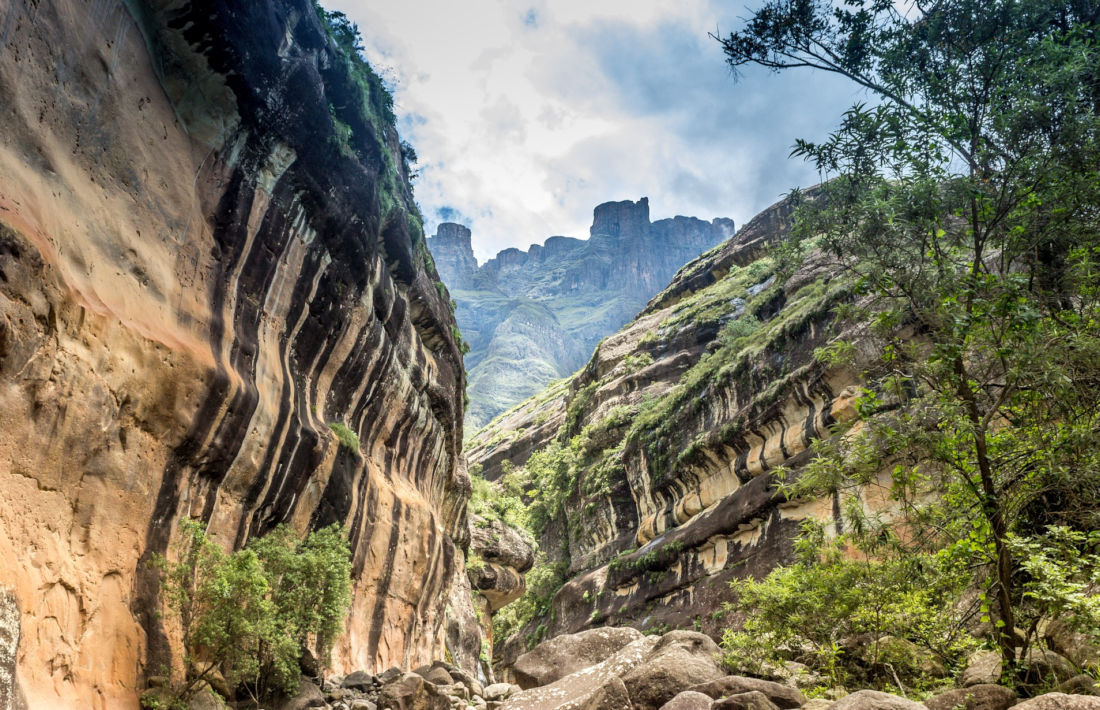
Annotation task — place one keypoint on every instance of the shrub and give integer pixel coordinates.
(852, 619)
(309, 586)
(348, 438)
(249, 614)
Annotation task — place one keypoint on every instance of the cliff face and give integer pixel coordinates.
(670, 434)
(209, 253)
(533, 317)
(454, 255)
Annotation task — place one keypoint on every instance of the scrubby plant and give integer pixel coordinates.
(543, 582)
(221, 603)
(247, 615)
(500, 501)
(344, 434)
(309, 587)
(874, 620)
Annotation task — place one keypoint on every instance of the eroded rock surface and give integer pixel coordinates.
(502, 555)
(198, 275)
(679, 419)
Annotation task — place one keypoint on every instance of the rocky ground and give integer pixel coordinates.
(622, 669)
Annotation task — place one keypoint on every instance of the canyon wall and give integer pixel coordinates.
(531, 317)
(671, 434)
(209, 253)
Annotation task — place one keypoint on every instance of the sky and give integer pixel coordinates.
(526, 114)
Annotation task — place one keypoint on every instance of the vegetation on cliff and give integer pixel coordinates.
(753, 312)
(964, 206)
(247, 616)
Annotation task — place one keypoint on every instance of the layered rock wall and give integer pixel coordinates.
(208, 254)
(675, 425)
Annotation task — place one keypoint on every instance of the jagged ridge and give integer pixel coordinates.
(531, 317)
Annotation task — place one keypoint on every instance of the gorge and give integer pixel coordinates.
(844, 456)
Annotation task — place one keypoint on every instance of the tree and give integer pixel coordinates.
(966, 203)
(309, 583)
(221, 603)
(249, 614)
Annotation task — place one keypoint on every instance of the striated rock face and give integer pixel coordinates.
(198, 274)
(675, 424)
(533, 317)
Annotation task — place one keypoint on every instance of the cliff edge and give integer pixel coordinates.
(209, 253)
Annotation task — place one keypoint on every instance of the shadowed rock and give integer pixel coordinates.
(569, 653)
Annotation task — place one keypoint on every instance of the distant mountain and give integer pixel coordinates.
(531, 317)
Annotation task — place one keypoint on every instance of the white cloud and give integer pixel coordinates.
(525, 116)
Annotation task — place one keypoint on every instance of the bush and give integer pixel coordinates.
(248, 614)
(348, 438)
(870, 621)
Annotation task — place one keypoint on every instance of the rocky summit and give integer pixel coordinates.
(532, 317)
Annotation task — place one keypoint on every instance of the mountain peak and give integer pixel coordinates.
(618, 218)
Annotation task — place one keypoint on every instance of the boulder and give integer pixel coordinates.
(410, 691)
(500, 691)
(389, 674)
(497, 542)
(818, 704)
(308, 696)
(1071, 643)
(1060, 701)
(455, 690)
(752, 700)
(687, 700)
(338, 695)
(902, 653)
(569, 653)
(438, 676)
(1045, 665)
(782, 696)
(358, 680)
(982, 668)
(612, 695)
(874, 700)
(984, 696)
(207, 699)
(1080, 684)
(362, 704)
(679, 660)
(461, 676)
(574, 691)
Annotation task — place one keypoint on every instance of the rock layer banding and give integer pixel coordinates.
(680, 417)
(197, 277)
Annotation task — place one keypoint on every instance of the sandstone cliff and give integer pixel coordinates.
(208, 254)
(669, 434)
(533, 317)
